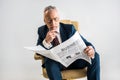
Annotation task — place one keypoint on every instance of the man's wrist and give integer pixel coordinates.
(47, 45)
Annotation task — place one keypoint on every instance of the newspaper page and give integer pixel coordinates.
(42, 51)
(66, 52)
(71, 50)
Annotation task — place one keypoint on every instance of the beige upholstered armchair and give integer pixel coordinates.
(66, 74)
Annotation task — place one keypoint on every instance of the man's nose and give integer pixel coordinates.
(53, 22)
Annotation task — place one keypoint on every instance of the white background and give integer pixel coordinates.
(19, 20)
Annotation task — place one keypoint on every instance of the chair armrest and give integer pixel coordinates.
(38, 56)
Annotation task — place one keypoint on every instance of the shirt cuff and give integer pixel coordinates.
(46, 45)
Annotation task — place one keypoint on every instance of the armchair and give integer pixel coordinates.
(66, 74)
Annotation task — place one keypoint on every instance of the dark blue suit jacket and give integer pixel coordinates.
(66, 31)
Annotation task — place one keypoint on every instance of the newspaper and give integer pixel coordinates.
(66, 52)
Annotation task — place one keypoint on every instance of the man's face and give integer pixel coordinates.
(51, 19)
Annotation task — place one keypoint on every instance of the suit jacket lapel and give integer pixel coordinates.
(45, 31)
(63, 33)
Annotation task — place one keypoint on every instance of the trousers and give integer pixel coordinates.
(93, 70)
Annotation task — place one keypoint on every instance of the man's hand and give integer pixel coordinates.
(89, 51)
(50, 36)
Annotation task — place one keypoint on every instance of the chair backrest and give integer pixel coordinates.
(66, 74)
(75, 23)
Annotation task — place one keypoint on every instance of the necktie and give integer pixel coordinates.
(55, 41)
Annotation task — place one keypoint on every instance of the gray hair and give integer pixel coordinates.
(49, 8)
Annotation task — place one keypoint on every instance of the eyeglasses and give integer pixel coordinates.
(49, 21)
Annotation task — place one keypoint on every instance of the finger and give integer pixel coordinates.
(86, 49)
(91, 53)
(51, 34)
(53, 31)
(90, 47)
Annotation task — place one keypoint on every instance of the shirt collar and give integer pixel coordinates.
(58, 29)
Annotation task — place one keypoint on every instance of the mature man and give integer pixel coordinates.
(54, 29)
